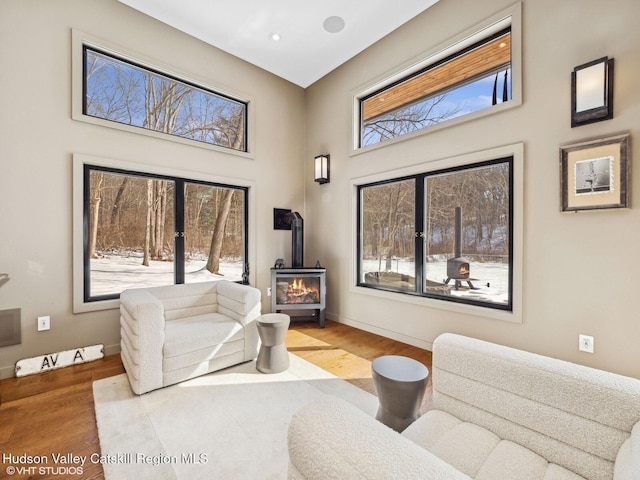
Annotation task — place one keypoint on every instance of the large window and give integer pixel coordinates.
(127, 93)
(472, 75)
(145, 230)
(445, 234)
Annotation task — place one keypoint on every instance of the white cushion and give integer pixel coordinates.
(509, 461)
(194, 333)
(556, 472)
(479, 453)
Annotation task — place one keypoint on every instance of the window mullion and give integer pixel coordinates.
(179, 259)
(421, 234)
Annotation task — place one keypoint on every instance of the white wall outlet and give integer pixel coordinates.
(44, 323)
(585, 343)
(268, 291)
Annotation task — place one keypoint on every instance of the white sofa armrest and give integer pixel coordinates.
(240, 302)
(142, 325)
(627, 466)
(331, 439)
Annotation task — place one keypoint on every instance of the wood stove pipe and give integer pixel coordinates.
(457, 247)
(297, 240)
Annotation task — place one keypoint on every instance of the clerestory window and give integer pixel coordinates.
(474, 75)
(128, 93)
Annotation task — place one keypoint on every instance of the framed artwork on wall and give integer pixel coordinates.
(594, 174)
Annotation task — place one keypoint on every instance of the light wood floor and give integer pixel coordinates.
(53, 412)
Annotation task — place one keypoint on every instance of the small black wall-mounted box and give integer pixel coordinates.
(281, 219)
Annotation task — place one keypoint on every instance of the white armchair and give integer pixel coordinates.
(173, 333)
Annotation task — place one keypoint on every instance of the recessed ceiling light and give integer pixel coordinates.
(275, 36)
(333, 24)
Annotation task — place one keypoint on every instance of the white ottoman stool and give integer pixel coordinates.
(273, 356)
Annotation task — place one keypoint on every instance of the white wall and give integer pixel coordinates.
(578, 269)
(39, 138)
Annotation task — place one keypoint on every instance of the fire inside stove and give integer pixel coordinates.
(458, 268)
(291, 291)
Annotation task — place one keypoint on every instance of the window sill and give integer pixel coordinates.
(80, 117)
(514, 316)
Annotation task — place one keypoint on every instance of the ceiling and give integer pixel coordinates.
(315, 37)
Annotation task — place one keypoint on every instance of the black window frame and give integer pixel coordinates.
(420, 216)
(179, 250)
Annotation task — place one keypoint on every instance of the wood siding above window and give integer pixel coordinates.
(487, 57)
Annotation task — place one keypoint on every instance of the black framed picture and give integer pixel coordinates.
(594, 174)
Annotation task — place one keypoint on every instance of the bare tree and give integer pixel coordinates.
(147, 235)
(483, 195)
(117, 203)
(213, 263)
(159, 213)
(387, 208)
(163, 102)
(407, 119)
(97, 180)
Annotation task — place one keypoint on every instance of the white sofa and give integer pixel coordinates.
(499, 414)
(173, 333)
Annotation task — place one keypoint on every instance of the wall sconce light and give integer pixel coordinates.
(592, 92)
(321, 169)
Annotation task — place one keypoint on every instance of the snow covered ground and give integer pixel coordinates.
(115, 273)
(495, 274)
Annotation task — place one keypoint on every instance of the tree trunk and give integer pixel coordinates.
(96, 196)
(115, 212)
(159, 210)
(239, 132)
(163, 216)
(395, 199)
(147, 233)
(213, 263)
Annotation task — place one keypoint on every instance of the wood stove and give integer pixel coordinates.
(300, 290)
(457, 269)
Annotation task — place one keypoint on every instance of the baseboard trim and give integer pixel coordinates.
(399, 337)
(7, 372)
(112, 349)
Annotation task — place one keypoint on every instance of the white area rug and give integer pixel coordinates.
(230, 424)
